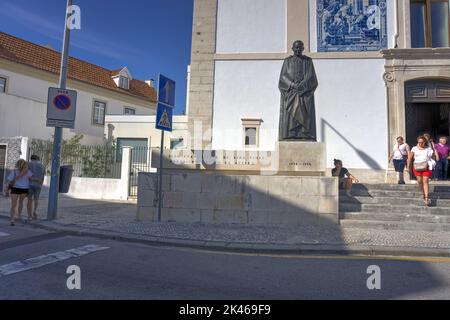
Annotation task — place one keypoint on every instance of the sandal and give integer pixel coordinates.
(427, 201)
(12, 224)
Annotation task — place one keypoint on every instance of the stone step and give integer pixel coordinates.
(396, 194)
(396, 217)
(434, 187)
(395, 225)
(392, 201)
(407, 209)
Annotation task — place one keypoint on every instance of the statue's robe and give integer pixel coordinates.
(297, 115)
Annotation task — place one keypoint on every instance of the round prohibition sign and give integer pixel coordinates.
(62, 102)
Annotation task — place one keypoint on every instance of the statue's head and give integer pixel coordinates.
(298, 47)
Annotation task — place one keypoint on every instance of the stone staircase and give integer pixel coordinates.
(395, 207)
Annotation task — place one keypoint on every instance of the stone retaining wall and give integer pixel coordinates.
(199, 196)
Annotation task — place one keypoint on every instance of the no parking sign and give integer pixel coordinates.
(61, 108)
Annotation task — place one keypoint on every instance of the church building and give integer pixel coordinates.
(382, 66)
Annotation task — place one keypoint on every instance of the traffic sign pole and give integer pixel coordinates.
(164, 122)
(52, 210)
(161, 158)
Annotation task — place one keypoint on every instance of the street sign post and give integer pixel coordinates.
(63, 102)
(61, 108)
(164, 122)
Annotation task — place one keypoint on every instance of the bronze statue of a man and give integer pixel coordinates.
(298, 83)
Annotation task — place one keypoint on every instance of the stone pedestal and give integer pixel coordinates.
(308, 158)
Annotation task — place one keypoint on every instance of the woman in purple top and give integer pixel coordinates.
(443, 149)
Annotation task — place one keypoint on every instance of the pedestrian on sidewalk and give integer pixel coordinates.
(422, 166)
(36, 182)
(17, 187)
(443, 151)
(399, 156)
(346, 179)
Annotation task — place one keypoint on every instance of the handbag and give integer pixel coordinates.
(421, 166)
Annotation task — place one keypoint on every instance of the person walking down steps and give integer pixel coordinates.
(399, 156)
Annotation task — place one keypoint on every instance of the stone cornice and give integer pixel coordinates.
(417, 54)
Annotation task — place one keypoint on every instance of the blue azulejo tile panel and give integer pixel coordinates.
(351, 25)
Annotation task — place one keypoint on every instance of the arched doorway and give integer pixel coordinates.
(427, 108)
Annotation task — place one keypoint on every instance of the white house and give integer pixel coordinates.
(27, 70)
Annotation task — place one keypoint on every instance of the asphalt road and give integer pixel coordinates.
(33, 265)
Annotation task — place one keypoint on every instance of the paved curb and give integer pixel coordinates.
(310, 249)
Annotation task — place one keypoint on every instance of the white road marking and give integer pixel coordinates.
(37, 262)
(4, 234)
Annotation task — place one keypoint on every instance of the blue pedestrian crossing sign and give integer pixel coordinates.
(166, 91)
(164, 117)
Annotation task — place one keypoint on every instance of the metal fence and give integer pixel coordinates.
(87, 161)
(140, 162)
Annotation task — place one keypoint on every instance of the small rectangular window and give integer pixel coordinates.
(124, 83)
(129, 111)
(99, 113)
(176, 144)
(2, 84)
(250, 136)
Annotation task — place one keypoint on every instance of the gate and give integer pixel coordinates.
(140, 162)
(2, 165)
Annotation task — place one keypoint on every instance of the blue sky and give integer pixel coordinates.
(147, 36)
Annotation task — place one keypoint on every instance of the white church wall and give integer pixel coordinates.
(350, 106)
(249, 19)
(245, 89)
(351, 112)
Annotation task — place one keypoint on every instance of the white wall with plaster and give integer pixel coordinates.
(245, 89)
(251, 26)
(351, 110)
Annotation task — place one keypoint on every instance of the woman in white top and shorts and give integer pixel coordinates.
(17, 188)
(423, 166)
(399, 156)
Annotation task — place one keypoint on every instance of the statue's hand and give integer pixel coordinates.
(299, 87)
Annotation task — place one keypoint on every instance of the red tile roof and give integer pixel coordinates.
(39, 57)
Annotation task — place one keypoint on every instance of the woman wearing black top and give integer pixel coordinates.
(346, 179)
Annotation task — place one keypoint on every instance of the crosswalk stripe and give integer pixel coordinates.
(4, 234)
(37, 262)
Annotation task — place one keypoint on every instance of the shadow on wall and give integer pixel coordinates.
(372, 163)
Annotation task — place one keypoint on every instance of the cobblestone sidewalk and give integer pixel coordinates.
(117, 220)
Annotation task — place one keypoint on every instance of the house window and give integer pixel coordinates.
(176, 143)
(430, 23)
(2, 84)
(99, 113)
(250, 137)
(129, 111)
(251, 128)
(124, 83)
